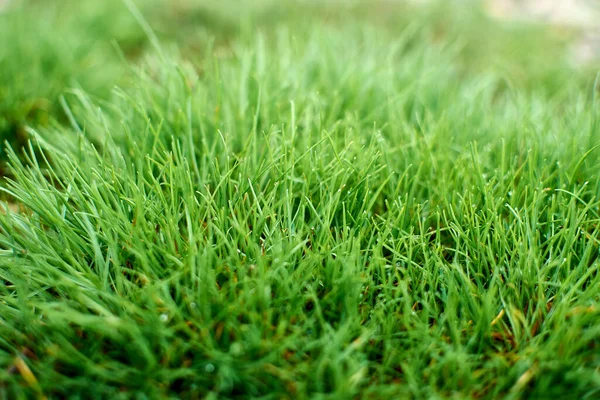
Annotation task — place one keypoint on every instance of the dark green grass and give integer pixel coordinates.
(379, 203)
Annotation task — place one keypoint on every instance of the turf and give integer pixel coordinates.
(367, 201)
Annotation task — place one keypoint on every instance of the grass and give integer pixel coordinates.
(369, 202)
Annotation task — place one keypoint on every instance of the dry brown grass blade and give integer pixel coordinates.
(28, 375)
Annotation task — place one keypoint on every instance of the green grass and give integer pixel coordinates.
(368, 201)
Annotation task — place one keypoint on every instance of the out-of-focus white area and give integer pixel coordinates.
(581, 15)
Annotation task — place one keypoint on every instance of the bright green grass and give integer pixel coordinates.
(380, 203)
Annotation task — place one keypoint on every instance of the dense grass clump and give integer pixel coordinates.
(379, 204)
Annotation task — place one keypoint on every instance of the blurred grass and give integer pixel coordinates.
(296, 200)
(47, 47)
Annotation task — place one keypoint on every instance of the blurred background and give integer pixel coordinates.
(49, 47)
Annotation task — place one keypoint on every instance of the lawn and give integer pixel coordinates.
(295, 199)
